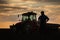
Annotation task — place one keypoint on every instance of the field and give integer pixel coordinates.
(52, 34)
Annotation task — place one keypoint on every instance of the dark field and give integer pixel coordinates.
(52, 34)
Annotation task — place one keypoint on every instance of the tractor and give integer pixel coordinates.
(28, 24)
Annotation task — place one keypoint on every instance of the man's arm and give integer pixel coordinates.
(47, 19)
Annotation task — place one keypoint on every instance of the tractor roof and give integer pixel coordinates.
(29, 13)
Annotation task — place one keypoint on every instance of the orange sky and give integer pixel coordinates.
(6, 24)
(9, 9)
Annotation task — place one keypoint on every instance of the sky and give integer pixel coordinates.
(9, 9)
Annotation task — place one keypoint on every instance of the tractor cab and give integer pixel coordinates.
(29, 21)
(29, 16)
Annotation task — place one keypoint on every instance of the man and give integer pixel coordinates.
(42, 21)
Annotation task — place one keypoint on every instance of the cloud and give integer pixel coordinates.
(48, 0)
(25, 1)
(44, 0)
(3, 2)
(11, 9)
(10, 18)
(53, 0)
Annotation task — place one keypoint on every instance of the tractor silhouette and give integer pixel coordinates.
(28, 24)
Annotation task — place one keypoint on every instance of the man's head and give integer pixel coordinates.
(42, 12)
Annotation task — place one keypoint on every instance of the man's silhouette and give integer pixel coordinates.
(42, 20)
